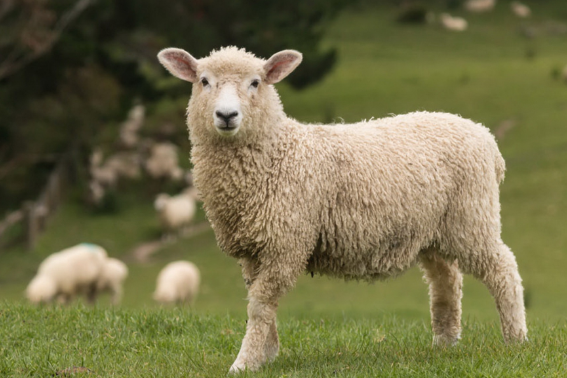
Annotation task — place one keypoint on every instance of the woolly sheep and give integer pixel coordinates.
(66, 274)
(360, 201)
(178, 282)
(453, 23)
(176, 212)
(480, 6)
(163, 163)
(111, 279)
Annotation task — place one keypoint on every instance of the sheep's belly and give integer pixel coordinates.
(377, 264)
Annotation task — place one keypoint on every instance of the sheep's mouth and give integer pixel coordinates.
(227, 129)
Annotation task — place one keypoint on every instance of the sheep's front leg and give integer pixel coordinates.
(249, 273)
(260, 343)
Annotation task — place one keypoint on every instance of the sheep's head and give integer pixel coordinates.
(232, 88)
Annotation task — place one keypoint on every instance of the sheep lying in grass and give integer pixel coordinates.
(66, 274)
(453, 23)
(361, 201)
(111, 279)
(178, 282)
(520, 10)
(176, 212)
(480, 6)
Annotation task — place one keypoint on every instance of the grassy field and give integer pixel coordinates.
(178, 343)
(490, 74)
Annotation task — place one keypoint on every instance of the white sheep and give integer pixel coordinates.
(453, 23)
(480, 6)
(66, 274)
(360, 201)
(177, 283)
(163, 162)
(520, 10)
(176, 212)
(111, 279)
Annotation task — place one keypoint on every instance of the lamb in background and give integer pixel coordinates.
(520, 10)
(480, 6)
(67, 274)
(176, 212)
(453, 23)
(111, 279)
(178, 283)
(163, 162)
(360, 201)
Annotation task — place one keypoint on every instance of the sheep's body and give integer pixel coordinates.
(361, 201)
(453, 23)
(66, 274)
(178, 282)
(176, 212)
(111, 279)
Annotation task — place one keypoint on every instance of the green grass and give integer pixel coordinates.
(177, 342)
(327, 325)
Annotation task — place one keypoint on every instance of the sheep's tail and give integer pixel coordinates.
(500, 167)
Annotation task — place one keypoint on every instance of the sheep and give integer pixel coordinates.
(176, 212)
(480, 6)
(453, 23)
(66, 274)
(111, 279)
(361, 201)
(163, 163)
(177, 283)
(520, 10)
(129, 129)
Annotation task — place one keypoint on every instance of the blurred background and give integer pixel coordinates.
(92, 129)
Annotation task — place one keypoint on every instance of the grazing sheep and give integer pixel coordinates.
(480, 6)
(178, 282)
(360, 201)
(163, 162)
(66, 274)
(453, 23)
(111, 279)
(176, 212)
(520, 10)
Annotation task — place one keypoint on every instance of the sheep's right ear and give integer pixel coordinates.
(281, 64)
(179, 63)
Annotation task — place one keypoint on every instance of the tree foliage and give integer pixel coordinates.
(70, 69)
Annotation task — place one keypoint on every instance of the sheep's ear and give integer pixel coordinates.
(180, 63)
(281, 64)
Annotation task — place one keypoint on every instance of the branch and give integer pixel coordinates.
(7, 67)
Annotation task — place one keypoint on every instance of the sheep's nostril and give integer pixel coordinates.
(226, 117)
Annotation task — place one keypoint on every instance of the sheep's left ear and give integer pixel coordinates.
(180, 63)
(281, 64)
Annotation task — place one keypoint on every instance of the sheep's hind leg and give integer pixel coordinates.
(499, 272)
(445, 292)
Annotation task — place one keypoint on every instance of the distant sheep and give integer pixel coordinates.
(129, 129)
(480, 6)
(178, 283)
(358, 201)
(453, 23)
(520, 10)
(176, 212)
(163, 162)
(111, 279)
(67, 274)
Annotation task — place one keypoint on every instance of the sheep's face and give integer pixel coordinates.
(232, 89)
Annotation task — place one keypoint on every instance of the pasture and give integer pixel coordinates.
(491, 73)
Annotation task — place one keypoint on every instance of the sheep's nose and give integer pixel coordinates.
(226, 117)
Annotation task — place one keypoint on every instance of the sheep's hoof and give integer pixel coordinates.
(445, 341)
(237, 367)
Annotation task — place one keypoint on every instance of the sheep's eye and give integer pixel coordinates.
(204, 81)
(255, 83)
